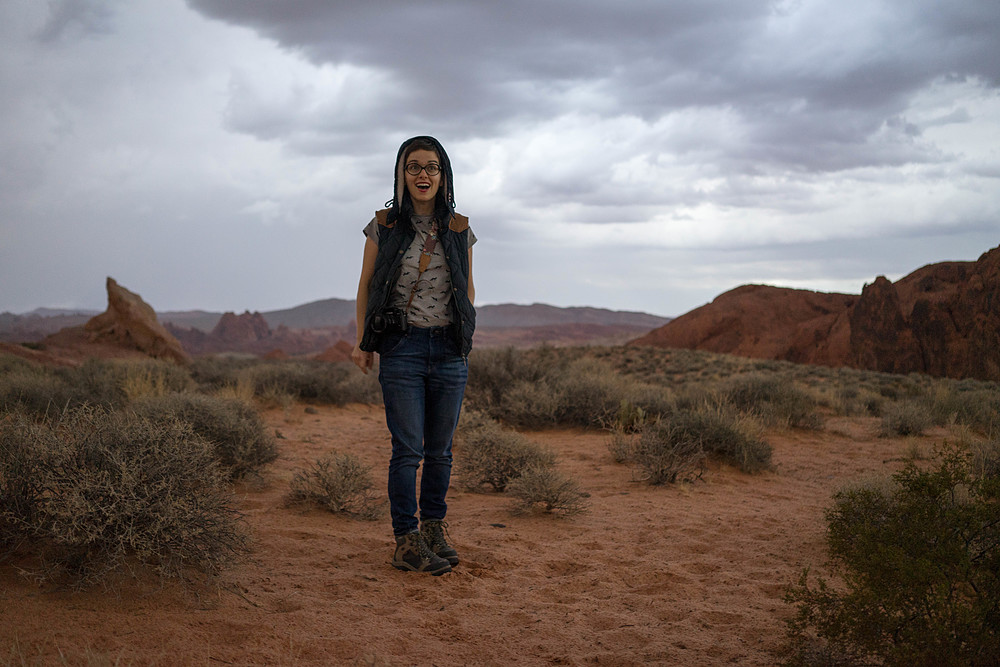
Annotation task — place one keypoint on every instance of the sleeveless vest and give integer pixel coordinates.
(394, 240)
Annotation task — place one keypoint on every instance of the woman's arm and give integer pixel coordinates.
(361, 358)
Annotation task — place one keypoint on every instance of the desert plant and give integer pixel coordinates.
(726, 435)
(665, 453)
(977, 407)
(35, 390)
(905, 418)
(548, 490)
(774, 399)
(112, 489)
(920, 559)
(337, 482)
(493, 456)
(235, 430)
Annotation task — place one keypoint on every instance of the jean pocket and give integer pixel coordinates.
(390, 342)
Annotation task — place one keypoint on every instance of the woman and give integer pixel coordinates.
(415, 309)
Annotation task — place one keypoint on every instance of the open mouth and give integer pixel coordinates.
(423, 187)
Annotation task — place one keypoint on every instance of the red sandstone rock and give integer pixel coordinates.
(340, 351)
(233, 328)
(129, 322)
(942, 319)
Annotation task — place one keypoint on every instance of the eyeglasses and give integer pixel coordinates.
(432, 169)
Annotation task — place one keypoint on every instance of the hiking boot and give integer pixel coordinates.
(434, 533)
(413, 554)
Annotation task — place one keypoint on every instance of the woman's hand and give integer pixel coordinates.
(362, 359)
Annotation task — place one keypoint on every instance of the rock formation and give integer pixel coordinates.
(130, 322)
(942, 319)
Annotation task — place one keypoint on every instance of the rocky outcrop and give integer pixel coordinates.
(942, 319)
(250, 333)
(129, 322)
(245, 328)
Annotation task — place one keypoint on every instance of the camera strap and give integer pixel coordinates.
(425, 259)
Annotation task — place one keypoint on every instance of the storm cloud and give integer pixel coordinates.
(641, 155)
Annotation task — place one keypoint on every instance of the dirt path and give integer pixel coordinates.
(675, 575)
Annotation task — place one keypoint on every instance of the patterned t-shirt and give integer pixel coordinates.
(431, 305)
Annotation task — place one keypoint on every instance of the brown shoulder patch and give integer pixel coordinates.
(459, 223)
(382, 217)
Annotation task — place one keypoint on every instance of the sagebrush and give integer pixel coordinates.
(102, 491)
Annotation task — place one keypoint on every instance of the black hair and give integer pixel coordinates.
(401, 205)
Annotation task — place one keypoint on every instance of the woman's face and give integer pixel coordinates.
(423, 188)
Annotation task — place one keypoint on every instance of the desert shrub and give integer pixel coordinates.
(589, 392)
(529, 405)
(35, 390)
(978, 408)
(493, 371)
(664, 453)
(622, 444)
(238, 436)
(108, 382)
(337, 482)
(772, 398)
(112, 489)
(986, 459)
(905, 418)
(921, 566)
(549, 387)
(490, 455)
(854, 400)
(547, 490)
(731, 437)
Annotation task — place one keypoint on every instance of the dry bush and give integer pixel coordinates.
(976, 405)
(239, 438)
(774, 399)
(905, 418)
(278, 383)
(731, 437)
(110, 490)
(490, 455)
(34, 390)
(664, 454)
(337, 482)
(548, 490)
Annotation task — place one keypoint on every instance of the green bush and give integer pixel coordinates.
(337, 482)
(547, 490)
(239, 438)
(109, 490)
(490, 455)
(920, 560)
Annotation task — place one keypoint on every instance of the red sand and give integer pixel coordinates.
(675, 575)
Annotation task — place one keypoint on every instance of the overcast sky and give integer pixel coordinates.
(627, 154)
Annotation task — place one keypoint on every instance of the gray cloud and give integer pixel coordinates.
(225, 154)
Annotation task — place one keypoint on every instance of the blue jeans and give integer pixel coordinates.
(423, 382)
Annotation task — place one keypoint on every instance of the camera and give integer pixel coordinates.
(390, 319)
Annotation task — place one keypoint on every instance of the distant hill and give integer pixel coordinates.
(540, 314)
(314, 326)
(943, 319)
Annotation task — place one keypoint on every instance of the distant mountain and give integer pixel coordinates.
(341, 312)
(942, 319)
(540, 315)
(315, 326)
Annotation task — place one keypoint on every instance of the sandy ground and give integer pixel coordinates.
(672, 575)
